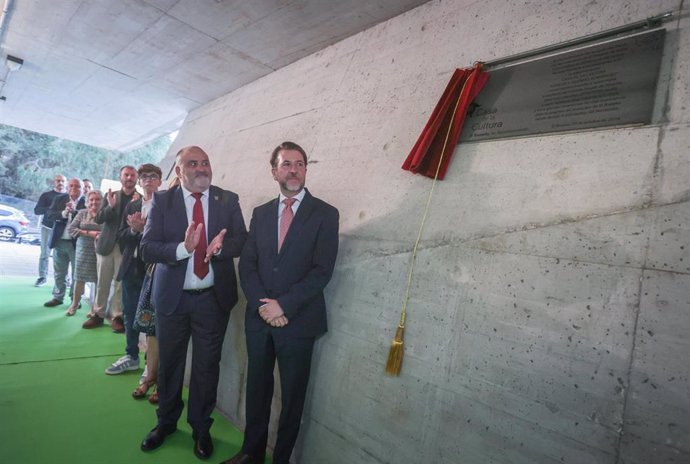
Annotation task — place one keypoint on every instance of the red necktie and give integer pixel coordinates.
(200, 267)
(285, 220)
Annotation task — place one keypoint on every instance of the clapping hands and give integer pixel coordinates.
(136, 221)
(193, 235)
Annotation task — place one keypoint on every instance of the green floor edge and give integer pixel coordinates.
(56, 403)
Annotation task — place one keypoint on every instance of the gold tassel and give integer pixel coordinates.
(395, 355)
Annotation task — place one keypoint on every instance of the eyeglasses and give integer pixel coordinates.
(149, 177)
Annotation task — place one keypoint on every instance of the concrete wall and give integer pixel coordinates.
(550, 308)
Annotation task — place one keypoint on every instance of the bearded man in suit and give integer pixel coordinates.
(192, 234)
(285, 265)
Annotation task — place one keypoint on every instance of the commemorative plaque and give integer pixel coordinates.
(607, 84)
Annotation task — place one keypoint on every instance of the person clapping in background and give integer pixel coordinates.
(61, 212)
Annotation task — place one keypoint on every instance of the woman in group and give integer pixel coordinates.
(145, 322)
(84, 228)
(145, 318)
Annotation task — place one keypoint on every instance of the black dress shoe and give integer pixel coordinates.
(242, 458)
(203, 446)
(155, 438)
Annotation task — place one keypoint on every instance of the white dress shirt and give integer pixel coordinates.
(191, 281)
(69, 216)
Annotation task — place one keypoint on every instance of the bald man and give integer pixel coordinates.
(193, 233)
(61, 212)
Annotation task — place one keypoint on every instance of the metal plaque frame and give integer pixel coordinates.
(612, 83)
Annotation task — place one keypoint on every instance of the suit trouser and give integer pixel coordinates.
(45, 252)
(294, 364)
(201, 318)
(106, 268)
(64, 259)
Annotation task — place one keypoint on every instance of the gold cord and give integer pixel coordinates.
(403, 314)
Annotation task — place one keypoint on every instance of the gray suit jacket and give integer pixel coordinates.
(111, 218)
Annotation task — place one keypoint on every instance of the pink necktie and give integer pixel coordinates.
(200, 267)
(285, 220)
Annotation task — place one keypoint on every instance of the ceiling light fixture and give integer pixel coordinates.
(13, 63)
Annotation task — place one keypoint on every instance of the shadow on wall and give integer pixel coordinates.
(519, 342)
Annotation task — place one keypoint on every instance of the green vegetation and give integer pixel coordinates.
(29, 161)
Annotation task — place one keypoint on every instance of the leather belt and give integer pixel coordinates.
(198, 291)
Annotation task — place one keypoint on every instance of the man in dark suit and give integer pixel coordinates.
(192, 233)
(61, 212)
(285, 265)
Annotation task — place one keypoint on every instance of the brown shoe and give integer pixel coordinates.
(153, 399)
(53, 302)
(92, 322)
(143, 389)
(117, 325)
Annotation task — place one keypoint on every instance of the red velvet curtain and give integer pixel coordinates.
(437, 141)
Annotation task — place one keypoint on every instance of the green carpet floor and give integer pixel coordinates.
(57, 405)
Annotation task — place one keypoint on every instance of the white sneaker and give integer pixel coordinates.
(124, 364)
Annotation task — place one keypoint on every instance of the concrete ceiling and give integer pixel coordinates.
(119, 73)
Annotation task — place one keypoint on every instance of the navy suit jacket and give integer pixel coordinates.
(165, 229)
(298, 274)
(54, 215)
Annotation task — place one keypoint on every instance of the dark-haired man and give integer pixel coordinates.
(109, 253)
(41, 208)
(285, 265)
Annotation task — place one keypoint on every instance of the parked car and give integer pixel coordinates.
(31, 236)
(12, 223)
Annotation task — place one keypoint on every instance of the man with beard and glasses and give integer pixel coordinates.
(285, 265)
(109, 254)
(192, 234)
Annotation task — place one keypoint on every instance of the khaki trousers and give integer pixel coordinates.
(106, 268)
